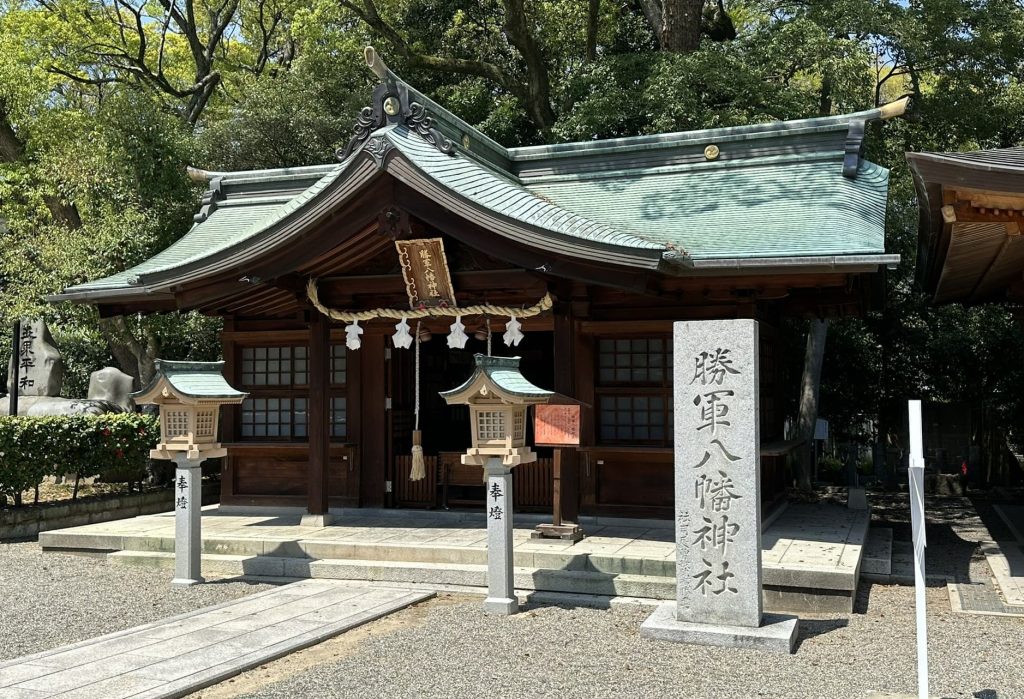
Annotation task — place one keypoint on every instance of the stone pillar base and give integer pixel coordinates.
(857, 498)
(501, 605)
(562, 532)
(776, 633)
(309, 520)
(187, 582)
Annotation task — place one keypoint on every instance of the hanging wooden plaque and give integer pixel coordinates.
(425, 270)
(556, 425)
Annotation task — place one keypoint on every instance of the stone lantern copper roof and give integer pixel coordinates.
(501, 376)
(189, 382)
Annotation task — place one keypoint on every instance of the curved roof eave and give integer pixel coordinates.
(339, 186)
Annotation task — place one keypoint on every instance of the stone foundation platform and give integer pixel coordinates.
(777, 633)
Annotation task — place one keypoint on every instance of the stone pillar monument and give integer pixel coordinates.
(718, 494)
(188, 506)
(501, 594)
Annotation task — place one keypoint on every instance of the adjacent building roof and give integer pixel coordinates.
(971, 217)
(189, 382)
(781, 195)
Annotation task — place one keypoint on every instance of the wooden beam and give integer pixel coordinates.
(375, 425)
(966, 212)
(565, 507)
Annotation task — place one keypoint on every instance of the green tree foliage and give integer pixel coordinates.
(104, 102)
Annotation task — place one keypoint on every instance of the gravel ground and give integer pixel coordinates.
(451, 649)
(52, 599)
(448, 648)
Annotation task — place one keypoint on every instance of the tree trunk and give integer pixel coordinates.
(136, 357)
(810, 383)
(680, 25)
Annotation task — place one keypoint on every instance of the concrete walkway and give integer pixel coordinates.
(177, 656)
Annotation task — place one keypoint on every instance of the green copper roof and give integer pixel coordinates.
(505, 195)
(504, 372)
(193, 380)
(780, 206)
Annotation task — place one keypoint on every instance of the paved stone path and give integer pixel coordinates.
(980, 598)
(177, 656)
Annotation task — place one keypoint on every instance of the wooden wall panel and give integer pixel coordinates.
(268, 472)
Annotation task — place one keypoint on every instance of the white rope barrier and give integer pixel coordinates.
(436, 312)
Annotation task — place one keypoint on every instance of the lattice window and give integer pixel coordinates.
(634, 387)
(339, 418)
(635, 360)
(275, 366)
(339, 370)
(176, 422)
(490, 425)
(274, 417)
(633, 418)
(518, 424)
(277, 379)
(204, 423)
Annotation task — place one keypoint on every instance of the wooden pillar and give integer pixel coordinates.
(229, 413)
(373, 435)
(319, 416)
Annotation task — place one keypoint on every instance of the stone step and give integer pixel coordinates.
(876, 564)
(341, 550)
(309, 550)
(464, 575)
(467, 575)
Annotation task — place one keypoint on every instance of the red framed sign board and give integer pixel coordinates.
(556, 425)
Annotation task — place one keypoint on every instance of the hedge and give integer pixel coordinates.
(114, 447)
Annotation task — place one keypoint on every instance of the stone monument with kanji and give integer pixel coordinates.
(718, 494)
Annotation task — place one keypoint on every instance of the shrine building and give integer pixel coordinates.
(577, 257)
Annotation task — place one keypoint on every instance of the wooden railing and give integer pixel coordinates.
(532, 487)
(421, 493)
(531, 484)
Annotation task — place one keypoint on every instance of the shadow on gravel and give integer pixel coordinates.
(983, 505)
(243, 580)
(951, 546)
(986, 694)
(810, 628)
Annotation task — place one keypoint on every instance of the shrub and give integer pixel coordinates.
(114, 447)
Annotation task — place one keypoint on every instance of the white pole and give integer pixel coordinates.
(915, 475)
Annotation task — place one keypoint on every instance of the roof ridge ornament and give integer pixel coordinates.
(391, 105)
(854, 147)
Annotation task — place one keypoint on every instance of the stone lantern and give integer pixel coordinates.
(189, 395)
(498, 395)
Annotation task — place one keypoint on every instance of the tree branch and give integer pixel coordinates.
(593, 18)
